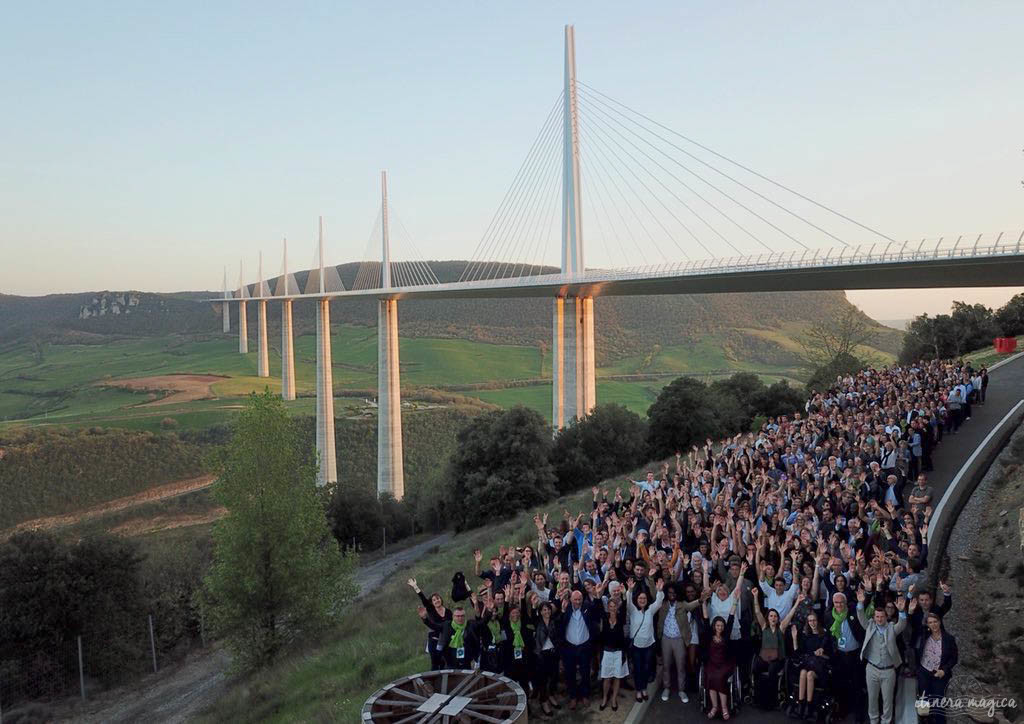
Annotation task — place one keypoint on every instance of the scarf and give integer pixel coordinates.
(836, 629)
(495, 628)
(517, 634)
(458, 632)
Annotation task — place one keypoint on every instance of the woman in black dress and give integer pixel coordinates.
(814, 650)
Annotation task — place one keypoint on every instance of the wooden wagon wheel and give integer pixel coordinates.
(449, 696)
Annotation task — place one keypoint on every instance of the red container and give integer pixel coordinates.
(999, 343)
(1011, 344)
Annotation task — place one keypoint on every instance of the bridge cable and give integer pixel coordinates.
(686, 186)
(734, 180)
(495, 244)
(607, 135)
(740, 165)
(509, 192)
(726, 194)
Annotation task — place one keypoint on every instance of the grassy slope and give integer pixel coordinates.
(62, 388)
(378, 640)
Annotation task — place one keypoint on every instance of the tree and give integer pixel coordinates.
(973, 327)
(277, 572)
(928, 338)
(824, 377)
(1010, 317)
(681, 416)
(736, 399)
(824, 341)
(779, 399)
(608, 441)
(52, 591)
(501, 465)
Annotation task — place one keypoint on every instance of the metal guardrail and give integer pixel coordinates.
(962, 247)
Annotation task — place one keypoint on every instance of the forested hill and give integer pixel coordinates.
(626, 325)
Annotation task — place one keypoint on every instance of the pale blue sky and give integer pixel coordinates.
(148, 145)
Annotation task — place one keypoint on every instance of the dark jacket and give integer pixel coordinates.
(471, 639)
(950, 653)
(592, 613)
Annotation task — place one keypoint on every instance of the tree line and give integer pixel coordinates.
(966, 328)
(507, 461)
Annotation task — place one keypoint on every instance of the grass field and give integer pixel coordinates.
(61, 384)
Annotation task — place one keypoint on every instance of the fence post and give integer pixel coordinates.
(81, 671)
(152, 642)
(384, 531)
(202, 629)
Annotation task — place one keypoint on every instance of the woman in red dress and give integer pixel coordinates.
(719, 658)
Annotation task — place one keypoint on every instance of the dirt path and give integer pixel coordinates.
(160, 492)
(183, 388)
(372, 576)
(178, 695)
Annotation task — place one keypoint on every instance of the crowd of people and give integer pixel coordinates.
(792, 559)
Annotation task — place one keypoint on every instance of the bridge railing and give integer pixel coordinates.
(964, 246)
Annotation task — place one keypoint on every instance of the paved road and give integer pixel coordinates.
(1006, 389)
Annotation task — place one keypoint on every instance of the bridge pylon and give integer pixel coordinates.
(390, 466)
(573, 388)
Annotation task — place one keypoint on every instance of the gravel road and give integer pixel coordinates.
(176, 695)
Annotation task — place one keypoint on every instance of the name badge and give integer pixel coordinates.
(440, 646)
(842, 642)
(517, 653)
(460, 653)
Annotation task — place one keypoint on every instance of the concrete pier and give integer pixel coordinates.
(586, 369)
(263, 363)
(574, 390)
(390, 469)
(287, 352)
(328, 473)
(243, 328)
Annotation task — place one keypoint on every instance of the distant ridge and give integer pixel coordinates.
(626, 325)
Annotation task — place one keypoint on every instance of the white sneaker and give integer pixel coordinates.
(664, 694)
(683, 697)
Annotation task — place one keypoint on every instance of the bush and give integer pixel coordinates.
(52, 591)
(502, 465)
(608, 441)
(168, 423)
(824, 378)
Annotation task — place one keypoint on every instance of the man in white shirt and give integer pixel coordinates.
(779, 597)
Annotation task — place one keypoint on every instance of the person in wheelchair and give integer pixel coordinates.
(771, 658)
(814, 649)
(719, 656)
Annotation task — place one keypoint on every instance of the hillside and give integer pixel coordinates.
(626, 325)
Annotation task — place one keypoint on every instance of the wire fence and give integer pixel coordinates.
(103, 656)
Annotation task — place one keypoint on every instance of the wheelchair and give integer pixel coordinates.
(769, 691)
(735, 693)
(824, 704)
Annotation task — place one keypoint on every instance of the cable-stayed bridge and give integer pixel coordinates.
(663, 214)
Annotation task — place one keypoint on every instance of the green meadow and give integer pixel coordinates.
(66, 384)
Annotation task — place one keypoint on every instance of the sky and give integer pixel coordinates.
(149, 146)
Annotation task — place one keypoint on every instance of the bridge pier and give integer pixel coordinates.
(243, 328)
(226, 315)
(586, 369)
(328, 472)
(287, 352)
(263, 363)
(572, 360)
(390, 469)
